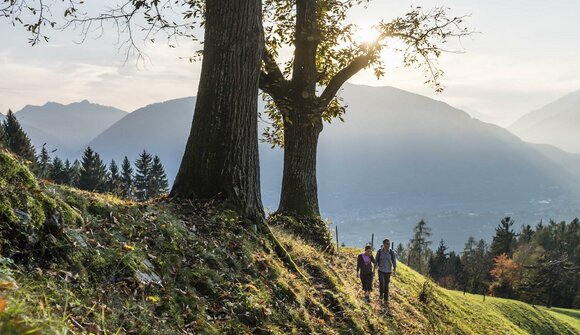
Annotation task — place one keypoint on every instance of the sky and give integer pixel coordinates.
(523, 55)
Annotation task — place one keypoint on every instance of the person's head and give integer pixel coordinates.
(386, 244)
(368, 250)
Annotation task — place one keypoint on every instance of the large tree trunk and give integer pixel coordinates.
(221, 156)
(303, 123)
(299, 186)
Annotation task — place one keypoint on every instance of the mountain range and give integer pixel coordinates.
(67, 128)
(555, 124)
(398, 157)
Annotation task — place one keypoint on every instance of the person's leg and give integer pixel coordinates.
(381, 284)
(367, 284)
(387, 276)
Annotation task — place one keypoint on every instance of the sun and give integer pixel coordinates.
(366, 35)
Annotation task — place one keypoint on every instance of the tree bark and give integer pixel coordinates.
(221, 156)
(302, 110)
(303, 122)
(299, 185)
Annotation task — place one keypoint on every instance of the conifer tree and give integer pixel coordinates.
(526, 234)
(126, 179)
(418, 251)
(438, 263)
(114, 178)
(143, 166)
(93, 176)
(401, 252)
(68, 172)
(43, 164)
(456, 271)
(73, 172)
(504, 239)
(477, 261)
(16, 139)
(58, 171)
(468, 261)
(159, 184)
(3, 142)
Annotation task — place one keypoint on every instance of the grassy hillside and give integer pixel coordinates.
(100, 265)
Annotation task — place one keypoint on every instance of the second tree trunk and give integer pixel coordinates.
(299, 186)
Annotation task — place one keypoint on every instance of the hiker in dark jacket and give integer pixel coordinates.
(365, 264)
(387, 265)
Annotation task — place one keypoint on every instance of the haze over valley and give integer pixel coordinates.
(397, 158)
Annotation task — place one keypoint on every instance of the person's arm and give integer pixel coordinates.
(358, 259)
(373, 263)
(377, 259)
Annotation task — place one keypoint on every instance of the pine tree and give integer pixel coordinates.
(456, 271)
(468, 261)
(438, 263)
(43, 164)
(143, 166)
(483, 265)
(93, 176)
(126, 179)
(3, 143)
(401, 252)
(418, 251)
(114, 179)
(159, 184)
(477, 263)
(16, 139)
(68, 172)
(58, 171)
(73, 172)
(526, 234)
(504, 239)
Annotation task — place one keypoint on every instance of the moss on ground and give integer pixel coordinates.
(192, 268)
(32, 221)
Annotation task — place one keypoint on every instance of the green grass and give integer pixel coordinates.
(570, 316)
(183, 268)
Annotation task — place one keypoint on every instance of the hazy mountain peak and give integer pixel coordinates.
(50, 104)
(73, 124)
(556, 123)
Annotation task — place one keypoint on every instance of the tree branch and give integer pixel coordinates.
(272, 80)
(341, 77)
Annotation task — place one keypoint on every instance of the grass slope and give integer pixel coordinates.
(116, 267)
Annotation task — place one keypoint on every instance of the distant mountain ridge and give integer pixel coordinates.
(160, 128)
(556, 123)
(67, 128)
(398, 157)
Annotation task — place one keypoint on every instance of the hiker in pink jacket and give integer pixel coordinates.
(365, 264)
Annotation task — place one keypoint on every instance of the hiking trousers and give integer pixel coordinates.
(367, 281)
(384, 280)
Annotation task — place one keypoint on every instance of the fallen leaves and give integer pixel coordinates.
(8, 285)
(153, 298)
